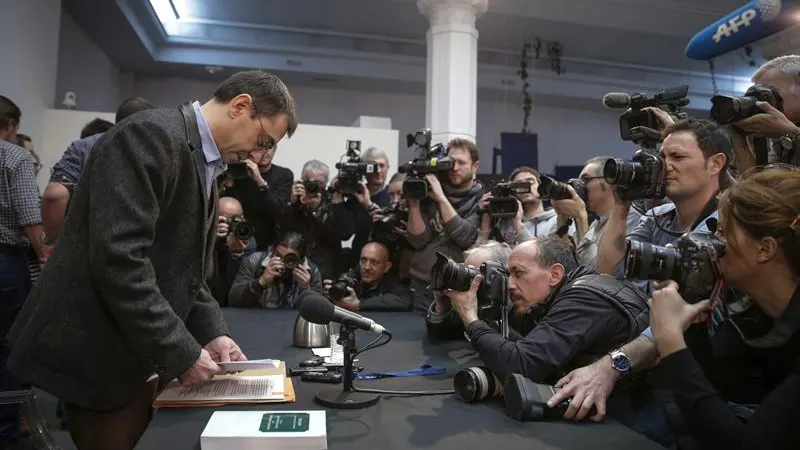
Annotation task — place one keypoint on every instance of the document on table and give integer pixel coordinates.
(236, 366)
(267, 387)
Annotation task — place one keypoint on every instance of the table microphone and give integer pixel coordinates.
(315, 308)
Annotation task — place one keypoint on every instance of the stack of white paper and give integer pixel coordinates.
(256, 430)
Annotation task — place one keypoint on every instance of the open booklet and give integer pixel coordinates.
(266, 385)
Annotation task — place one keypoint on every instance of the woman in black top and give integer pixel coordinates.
(760, 223)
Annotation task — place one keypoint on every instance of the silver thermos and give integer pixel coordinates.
(311, 335)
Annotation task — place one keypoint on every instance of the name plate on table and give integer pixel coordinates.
(256, 430)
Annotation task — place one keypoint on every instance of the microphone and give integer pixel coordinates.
(755, 20)
(317, 309)
(617, 100)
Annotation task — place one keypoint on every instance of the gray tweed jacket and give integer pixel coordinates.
(123, 295)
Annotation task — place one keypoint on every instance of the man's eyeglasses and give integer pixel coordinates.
(265, 141)
(587, 179)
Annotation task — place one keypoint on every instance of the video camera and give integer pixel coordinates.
(727, 109)
(353, 170)
(644, 177)
(692, 262)
(551, 189)
(431, 159)
(338, 289)
(505, 196)
(448, 274)
(640, 126)
(240, 228)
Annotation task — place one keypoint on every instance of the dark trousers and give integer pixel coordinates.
(15, 284)
(119, 429)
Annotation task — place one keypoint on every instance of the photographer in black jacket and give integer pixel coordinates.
(579, 315)
(371, 287)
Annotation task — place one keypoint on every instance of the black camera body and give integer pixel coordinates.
(504, 198)
(526, 401)
(431, 159)
(448, 274)
(641, 126)
(644, 177)
(692, 262)
(353, 170)
(727, 109)
(338, 289)
(240, 228)
(391, 217)
(312, 187)
(552, 189)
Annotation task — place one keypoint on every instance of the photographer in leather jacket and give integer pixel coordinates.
(579, 315)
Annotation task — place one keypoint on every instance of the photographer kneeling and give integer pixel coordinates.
(372, 287)
(760, 223)
(578, 315)
(276, 277)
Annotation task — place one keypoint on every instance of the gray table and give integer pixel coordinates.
(395, 422)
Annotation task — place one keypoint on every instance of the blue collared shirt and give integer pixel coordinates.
(214, 164)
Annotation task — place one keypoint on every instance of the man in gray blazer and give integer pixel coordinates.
(122, 302)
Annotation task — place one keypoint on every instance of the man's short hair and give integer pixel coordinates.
(464, 144)
(498, 252)
(294, 241)
(270, 96)
(788, 64)
(10, 113)
(131, 106)
(316, 164)
(554, 250)
(96, 126)
(374, 153)
(525, 169)
(711, 138)
(397, 178)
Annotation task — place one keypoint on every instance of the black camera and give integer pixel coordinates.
(726, 109)
(430, 159)
(240, 228)
(692, 262)
(290, 262)
(641, 126)
(237, 171)
(644, 177)
(391, 217)
(504, 198)
(474, 384)
(353, 170)
(448, 274)
(526, 401)
(551, 189)
(312, 187)
(338, 289)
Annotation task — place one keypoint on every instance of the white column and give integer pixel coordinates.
(452, 71)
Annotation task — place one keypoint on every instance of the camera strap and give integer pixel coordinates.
(423, 370)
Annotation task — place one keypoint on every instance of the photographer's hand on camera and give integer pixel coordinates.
(254, 173)
(436, 192)
(298, 192)
(670, 316)
(363, 197)
(573, 208)
(235, 246)
(663, 117)
(349, 302)
(466, 303)
(223, 229)
(771, 123)
(273, 269)
(302, 277)
(587, 387)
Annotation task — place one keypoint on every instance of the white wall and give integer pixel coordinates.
(29, 48)
(85, 70)
(566, 136)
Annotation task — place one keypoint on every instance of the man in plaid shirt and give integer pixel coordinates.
(20, 229)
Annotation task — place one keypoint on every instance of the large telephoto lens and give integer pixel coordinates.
(645, 261)
(551, 189)
(474, 384)
(617, 172)
(448, 274)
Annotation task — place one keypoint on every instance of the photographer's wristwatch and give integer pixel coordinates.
(789, 141)
(620, 362)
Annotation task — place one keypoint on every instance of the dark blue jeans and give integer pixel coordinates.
(15, 284)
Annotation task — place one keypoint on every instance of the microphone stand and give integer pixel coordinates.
(348, 397)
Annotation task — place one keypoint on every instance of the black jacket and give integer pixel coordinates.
(388, 294)
(582, 319)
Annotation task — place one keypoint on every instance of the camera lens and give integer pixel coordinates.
(290, 262)
(448, 274)
(338, 291)
(244, 230)
(552, 189)
(645, 261)
(474, 384)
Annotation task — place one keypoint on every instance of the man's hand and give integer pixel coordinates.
(436, 192)
(224, 349)
(202, 370)
(570, 207)
(298, 192)
(235, 245)
(588, 386)
(670, 316)
(771, 123)
(254, 173)
(483, 206)
(363, 195)
(223, 229)
(351, 302)
(302, 276)
(273, 269)
(401, 229)
(663, 117)
(466, 303)
(326, 286)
